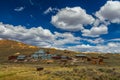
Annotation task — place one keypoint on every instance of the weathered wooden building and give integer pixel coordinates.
(41, 54)
(38, 54)
(81, 57)
(21, 57)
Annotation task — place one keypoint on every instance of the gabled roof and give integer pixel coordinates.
(21, 56)
(80, 55)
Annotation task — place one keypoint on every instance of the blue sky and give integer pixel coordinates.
(79, 25)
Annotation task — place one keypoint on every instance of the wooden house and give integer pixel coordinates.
(35, 56)
(66, 57)
(56, 57)
(21, 57)
(81, 57)
(41, 54)
(12, 58)
(38, 54)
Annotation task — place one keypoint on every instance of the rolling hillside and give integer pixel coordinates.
(10, 47)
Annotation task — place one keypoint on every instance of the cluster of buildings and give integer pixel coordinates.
(45, 55)
(39, 55)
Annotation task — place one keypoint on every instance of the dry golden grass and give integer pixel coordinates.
(28, 72)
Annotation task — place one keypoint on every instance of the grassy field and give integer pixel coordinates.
(23, 71)
(110, 70)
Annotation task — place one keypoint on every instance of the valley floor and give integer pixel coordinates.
(15, 71)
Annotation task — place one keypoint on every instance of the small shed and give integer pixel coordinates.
(21, 57)
(56, 56)
(11, 58)
(81, 56)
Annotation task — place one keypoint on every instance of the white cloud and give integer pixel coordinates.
(94, 41)
(36, 36)
(115, 39)
(111, 44)
(44, 38)
(76, 19)
(72, 19)
(1, 39)
(110, 47)
(110, 11)
(32, 36)
(65, 38)
(18, 9)
(95, 31)
(82, 48)
(50, 9)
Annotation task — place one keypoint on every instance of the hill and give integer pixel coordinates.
(10, 47)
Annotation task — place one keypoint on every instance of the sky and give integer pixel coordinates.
(77, 25)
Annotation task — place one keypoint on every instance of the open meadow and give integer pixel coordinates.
(109, 70)
(22, 71)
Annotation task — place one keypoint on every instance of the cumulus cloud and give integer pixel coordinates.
(44, 38)
(32, 35)
(66, 38)
(110, 11)
(95, 31)
(94, 41)
(115, 39)
(76, 19)
(18, 9)
(72, 19)
(110, 47)
(36, 36)
(50, 9)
